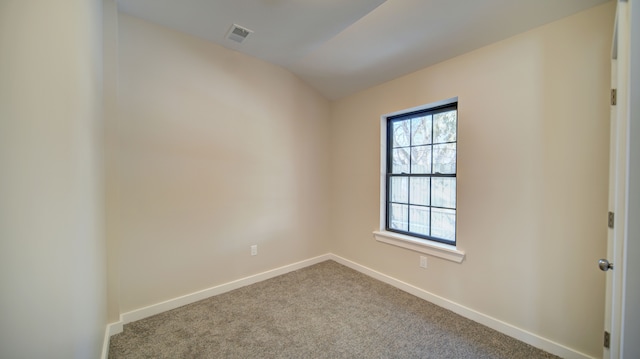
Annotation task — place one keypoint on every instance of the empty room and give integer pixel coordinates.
(319, 179)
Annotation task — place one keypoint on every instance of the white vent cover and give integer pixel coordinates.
(238, 33)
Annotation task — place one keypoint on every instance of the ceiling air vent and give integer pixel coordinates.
(238, 33)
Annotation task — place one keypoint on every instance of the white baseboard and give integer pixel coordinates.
(132, 316)
(505, 328)
(105, 344)
(116, 327)
(112, 328)
(493, 323)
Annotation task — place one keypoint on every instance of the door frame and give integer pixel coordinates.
(618, 182)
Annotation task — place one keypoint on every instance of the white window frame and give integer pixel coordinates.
(421, 245)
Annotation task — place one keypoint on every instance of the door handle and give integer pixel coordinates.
(605, 265)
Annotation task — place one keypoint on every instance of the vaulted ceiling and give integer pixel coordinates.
(343, 46)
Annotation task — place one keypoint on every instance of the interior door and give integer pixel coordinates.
(613, 265)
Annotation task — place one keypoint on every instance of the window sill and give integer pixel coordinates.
(435, 249)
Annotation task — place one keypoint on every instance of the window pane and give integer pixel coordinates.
(400, 158)
(401, 133)
(443, 222)
(443, 192)
(420, 190)
(444, 158)
(421, 183)
(444, 127)
(399, 189)
(419, 220)
(421, 131)
(421, 159)
(398, 217)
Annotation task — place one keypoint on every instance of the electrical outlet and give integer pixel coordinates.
(423, 262)
(254, 249)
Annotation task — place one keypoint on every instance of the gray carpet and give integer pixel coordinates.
(323, 311)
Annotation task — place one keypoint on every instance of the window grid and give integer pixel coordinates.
(408, 204)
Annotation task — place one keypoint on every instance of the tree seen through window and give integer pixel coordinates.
(421, 173)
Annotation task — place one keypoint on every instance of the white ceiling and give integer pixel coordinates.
(343, 46)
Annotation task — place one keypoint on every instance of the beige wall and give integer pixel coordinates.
(217, 151)
(111, 152)
(52, 256)
(532, 178)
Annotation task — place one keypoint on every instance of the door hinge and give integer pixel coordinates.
(611, 219)
(614, 97)
(607, 339)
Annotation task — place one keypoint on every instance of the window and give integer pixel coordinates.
(421, 149)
